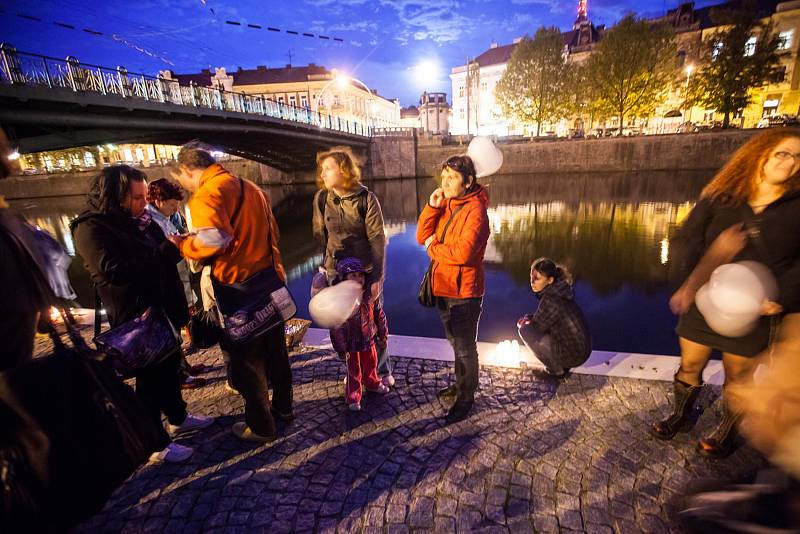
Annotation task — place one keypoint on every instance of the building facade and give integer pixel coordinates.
(475, 108)
(309, 87)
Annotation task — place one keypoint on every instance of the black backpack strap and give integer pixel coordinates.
(97, 317)
(362, 204)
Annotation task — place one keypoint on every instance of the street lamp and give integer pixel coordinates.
(689, 70)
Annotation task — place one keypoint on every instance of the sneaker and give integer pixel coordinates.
(230, 389)
(245, 433)
(173, 453)
(381, 389)
(192, 422)
(286, 417)
(354, 406)
(388, 381)
(458, 412)
(192, 382)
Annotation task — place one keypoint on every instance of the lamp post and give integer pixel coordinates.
(342, 81)
(689, 70)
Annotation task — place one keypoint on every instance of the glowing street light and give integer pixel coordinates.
(689, 70)
(342, 81)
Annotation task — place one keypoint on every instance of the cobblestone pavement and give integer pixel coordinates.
(534, 456)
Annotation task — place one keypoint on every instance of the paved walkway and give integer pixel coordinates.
(535, 456)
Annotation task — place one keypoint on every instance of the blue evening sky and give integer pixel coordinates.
(380, 42)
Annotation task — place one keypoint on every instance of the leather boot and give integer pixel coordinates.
(721, 443)
(685, 397)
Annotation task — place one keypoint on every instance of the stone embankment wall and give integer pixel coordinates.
(708, 150)
(77, 183)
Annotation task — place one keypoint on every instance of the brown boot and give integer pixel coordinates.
(722, 442)
(685, 397)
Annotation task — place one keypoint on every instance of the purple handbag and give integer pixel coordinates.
(139, 343)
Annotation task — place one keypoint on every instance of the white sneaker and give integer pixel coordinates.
(354, 406)
(192, 422)
(381, 389)
(174, 453)
(388, 381)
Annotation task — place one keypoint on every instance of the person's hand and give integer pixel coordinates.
(375, 291)
(730, 241)
(429, 240)
(437, 197)
(523, 321)
(681, 301)
(176, 240)
(769, 307)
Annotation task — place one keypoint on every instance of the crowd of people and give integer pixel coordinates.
(748, 211)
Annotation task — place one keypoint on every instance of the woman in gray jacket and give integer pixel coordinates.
(348, 222)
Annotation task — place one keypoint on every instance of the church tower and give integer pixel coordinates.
(582, 15)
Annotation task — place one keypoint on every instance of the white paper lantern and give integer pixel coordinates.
(334, 305)
(485, 155)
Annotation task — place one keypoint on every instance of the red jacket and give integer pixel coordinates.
(458, 272)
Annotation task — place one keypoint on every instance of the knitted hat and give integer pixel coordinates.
(349, 265)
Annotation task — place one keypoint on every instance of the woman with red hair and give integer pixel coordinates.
(751, 208)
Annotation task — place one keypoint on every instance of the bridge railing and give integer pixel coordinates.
(23, 68)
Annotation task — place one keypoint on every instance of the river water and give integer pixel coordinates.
(612, 230)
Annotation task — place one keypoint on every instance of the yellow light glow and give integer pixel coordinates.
(426, 71)
(342, 81)
(507, 353)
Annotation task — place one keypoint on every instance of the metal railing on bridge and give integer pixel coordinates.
(23, 68)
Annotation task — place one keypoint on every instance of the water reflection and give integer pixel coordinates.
(613, 231)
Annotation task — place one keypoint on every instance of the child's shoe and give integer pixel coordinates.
(354, 406)
(381, 389)
(388, 381)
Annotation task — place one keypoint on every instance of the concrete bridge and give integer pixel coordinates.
(48, 103)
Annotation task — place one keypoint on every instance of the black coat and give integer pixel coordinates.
(132, 269)
(778, 244)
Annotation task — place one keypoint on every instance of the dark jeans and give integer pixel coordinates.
(159, 389)
(460, 318)
(251, 363)
(542, 346)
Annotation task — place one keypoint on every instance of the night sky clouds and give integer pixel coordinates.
(381, 40)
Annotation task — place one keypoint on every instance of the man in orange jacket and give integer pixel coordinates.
(236, 230)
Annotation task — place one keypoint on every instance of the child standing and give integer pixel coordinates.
(354, 341)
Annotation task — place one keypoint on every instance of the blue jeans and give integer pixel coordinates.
(460, 318)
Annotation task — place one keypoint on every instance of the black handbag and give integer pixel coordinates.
(73, 432)
(140, 343)
(204, 329)
(425, 294)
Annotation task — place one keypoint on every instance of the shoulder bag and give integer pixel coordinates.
(254, 306)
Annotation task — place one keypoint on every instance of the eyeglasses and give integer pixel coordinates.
(782, 155)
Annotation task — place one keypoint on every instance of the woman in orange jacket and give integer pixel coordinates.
(457, 273)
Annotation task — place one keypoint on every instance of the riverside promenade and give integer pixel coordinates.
(536, 455)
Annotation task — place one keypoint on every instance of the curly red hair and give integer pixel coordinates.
(162, 189)
(736, 182)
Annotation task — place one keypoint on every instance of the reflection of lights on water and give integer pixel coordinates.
(507, 353)
(664, 251)
(55, 315)
(307, 266)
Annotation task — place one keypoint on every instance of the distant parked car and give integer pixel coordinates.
(783, 120)
(30, 170)
(687, 127)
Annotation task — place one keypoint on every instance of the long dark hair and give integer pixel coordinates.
(551, 269)
(111, 186)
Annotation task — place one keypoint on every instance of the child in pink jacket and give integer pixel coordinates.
(354, 341)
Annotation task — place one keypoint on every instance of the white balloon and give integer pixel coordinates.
(485, 155)
(734, 288)
(334, 305)
(723, 323)
(765, 277)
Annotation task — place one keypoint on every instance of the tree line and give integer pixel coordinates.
(634, 67)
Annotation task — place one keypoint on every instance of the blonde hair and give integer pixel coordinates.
(348, 165)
